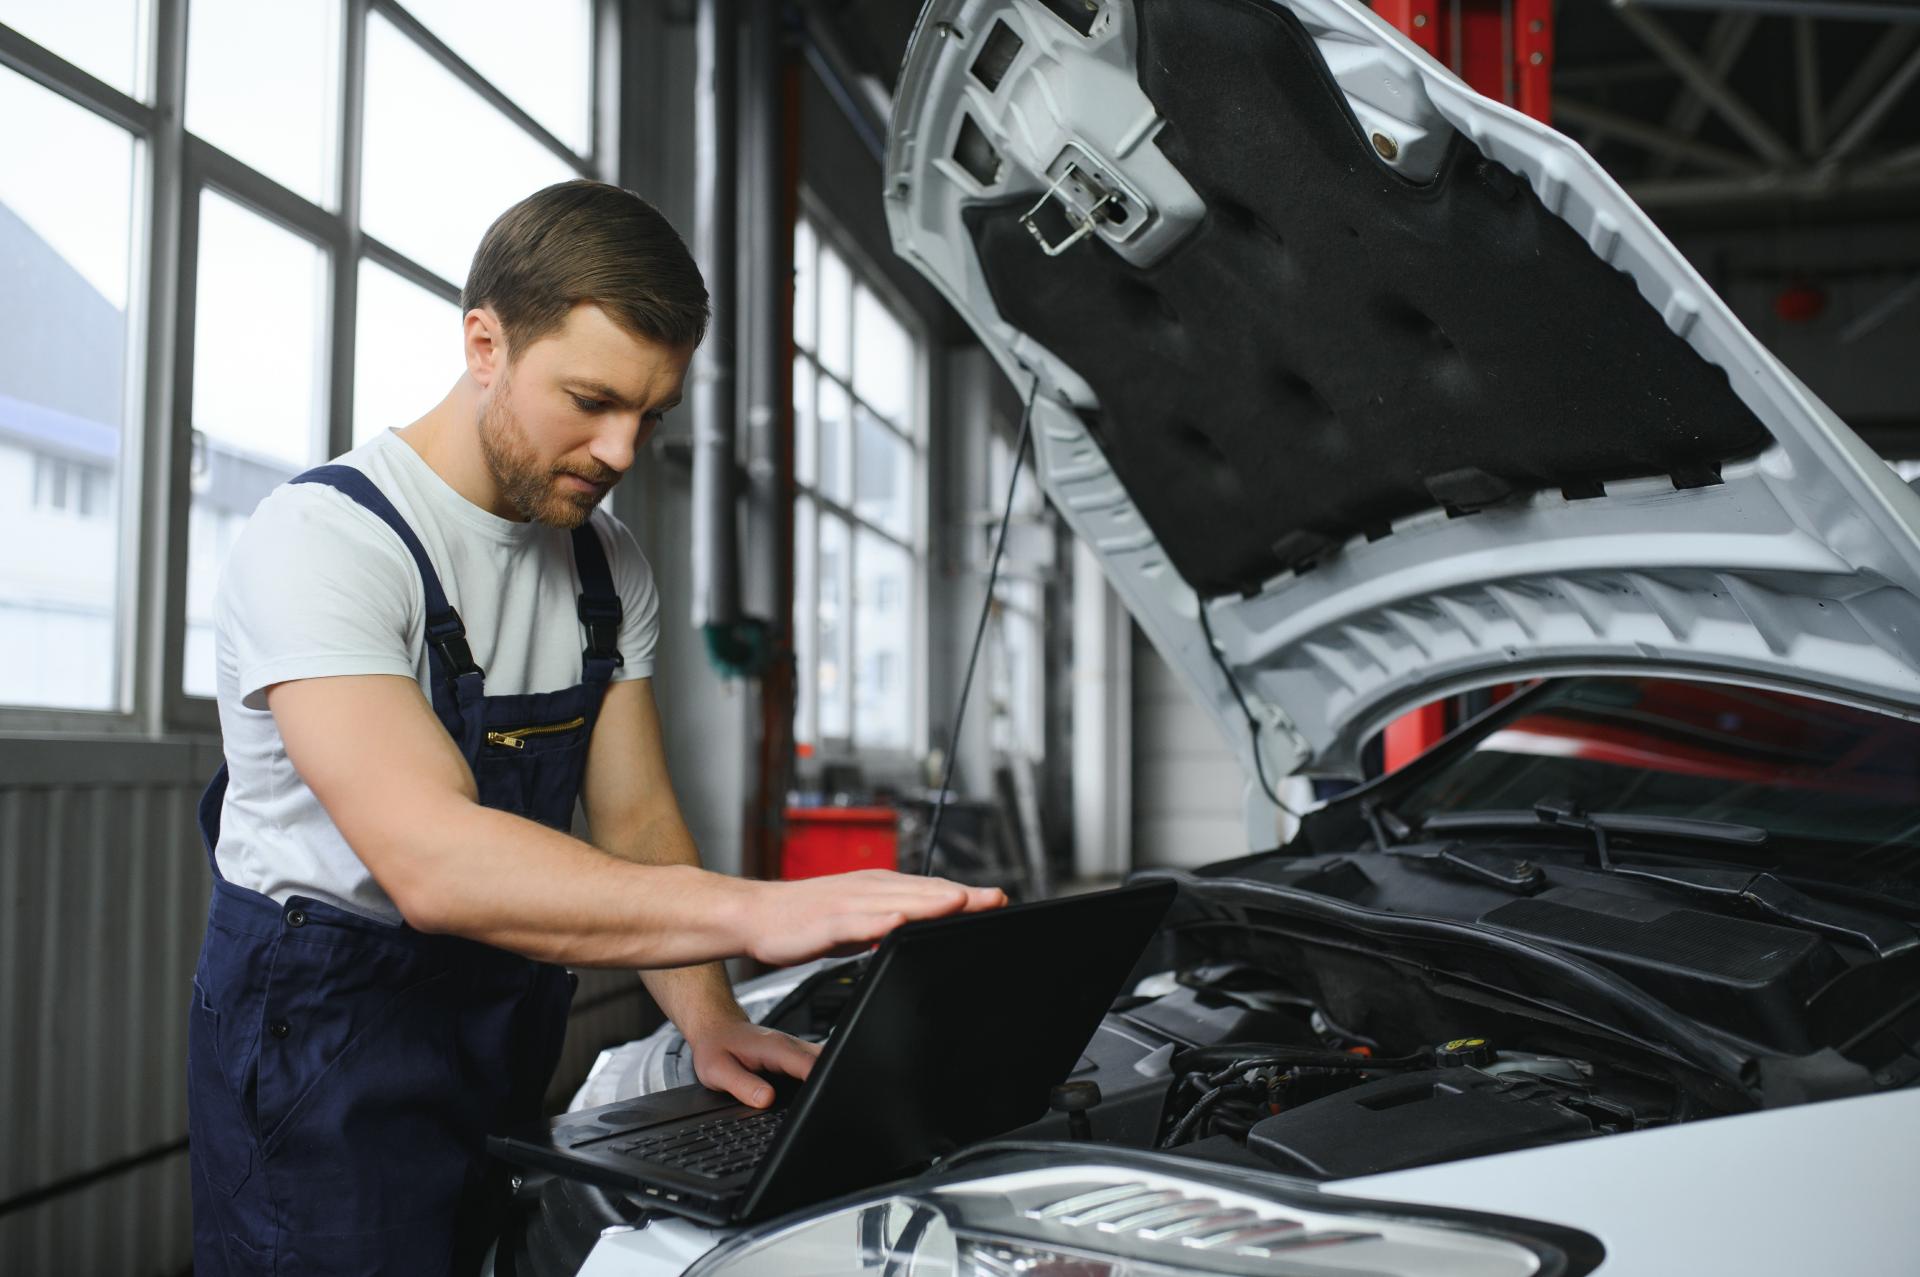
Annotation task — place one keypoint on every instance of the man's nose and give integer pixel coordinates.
(613, 445)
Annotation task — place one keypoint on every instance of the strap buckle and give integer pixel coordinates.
(449, 637)
(602, 622)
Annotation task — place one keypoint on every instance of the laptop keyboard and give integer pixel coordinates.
(718, 1148)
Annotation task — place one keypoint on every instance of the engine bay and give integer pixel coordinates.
(1336, 1015)
(1345, 1014)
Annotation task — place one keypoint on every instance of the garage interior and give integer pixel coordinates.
(230, 232)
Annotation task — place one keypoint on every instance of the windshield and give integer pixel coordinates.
(1837, 788)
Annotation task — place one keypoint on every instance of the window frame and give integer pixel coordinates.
(173, 168)
(865, 273)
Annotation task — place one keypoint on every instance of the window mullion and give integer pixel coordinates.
(159, 521)
(603, 101)
(51, 71)
(346, 267)
(248, 185)
(376, 250)
(438, 49)
(847, 515)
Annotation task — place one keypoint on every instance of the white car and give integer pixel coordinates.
(1368, 391)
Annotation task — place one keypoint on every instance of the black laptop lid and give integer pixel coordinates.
(960, 1029)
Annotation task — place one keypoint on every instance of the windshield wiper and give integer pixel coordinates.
(1757, 889)
(1600, 824)
(1764, 893)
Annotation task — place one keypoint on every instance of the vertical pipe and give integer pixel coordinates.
(772, 95)
(765, 244)
(1102, 723)
(716, 545)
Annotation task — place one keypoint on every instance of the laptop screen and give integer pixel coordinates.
(960, 1029)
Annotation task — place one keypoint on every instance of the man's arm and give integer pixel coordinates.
(395, 785)
(632, 813)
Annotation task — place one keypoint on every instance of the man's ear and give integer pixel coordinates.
(484, 344)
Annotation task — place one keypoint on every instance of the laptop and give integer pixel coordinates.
(958, 1031)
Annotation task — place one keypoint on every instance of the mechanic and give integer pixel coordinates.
(427, 653)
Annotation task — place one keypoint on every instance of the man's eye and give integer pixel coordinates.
(588, 405)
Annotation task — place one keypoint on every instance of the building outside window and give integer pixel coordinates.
(72, 190)
(859, 536)
(339, 163)
(1016, 636)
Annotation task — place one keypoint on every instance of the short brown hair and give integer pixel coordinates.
(584, 241)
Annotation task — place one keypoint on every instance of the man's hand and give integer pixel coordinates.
(789, 922)
(733, 1053)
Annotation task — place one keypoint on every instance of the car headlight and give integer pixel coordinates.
(1129, 1219)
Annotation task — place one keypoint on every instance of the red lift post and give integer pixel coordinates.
(1503, 49)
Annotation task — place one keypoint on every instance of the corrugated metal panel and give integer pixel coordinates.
(103, 891)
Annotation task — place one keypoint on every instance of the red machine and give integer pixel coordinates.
(831, 840)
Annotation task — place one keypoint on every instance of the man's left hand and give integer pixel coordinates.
(732, 1054)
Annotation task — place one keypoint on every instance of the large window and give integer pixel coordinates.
(859, 541)
(69, 270)
(232, 238)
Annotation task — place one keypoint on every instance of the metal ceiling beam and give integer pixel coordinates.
(1800, 187)
(1687, 65)
(1908, 157)
(1841, 10)
(1726, 41)
(1861, 127)
(1650, 137)
(1894, 44)
(1876, 315)
(1806, 82)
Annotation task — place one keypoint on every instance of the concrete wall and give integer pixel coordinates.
(707, 721)
(1187, 787)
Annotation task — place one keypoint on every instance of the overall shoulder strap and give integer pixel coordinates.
(446, 634)
(600, 606)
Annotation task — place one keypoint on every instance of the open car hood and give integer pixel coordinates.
(1393, 381)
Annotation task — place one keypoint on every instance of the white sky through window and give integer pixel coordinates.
(41, 138)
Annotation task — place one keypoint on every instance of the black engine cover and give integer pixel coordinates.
(1416, 1119)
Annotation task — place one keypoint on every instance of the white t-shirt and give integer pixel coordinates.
(316, 585)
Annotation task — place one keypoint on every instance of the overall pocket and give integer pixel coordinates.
(377, 1129)
(326, 1004)
(533, 771)
(222, 1144)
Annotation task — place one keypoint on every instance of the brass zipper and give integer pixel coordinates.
(516, 739)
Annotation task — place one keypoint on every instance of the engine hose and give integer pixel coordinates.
(1208, 1059)
(1193, 1116)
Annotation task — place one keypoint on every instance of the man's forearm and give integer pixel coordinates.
(515, 884)
(691, 996)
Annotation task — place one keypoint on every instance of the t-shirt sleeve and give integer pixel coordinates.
(313, 588)
(639, 601)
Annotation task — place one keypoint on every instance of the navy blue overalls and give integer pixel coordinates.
(343, 1073)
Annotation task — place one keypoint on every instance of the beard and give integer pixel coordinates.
(527, 484)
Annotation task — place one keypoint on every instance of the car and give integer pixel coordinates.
(1367, 392)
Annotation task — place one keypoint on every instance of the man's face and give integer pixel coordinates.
(567, 416)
